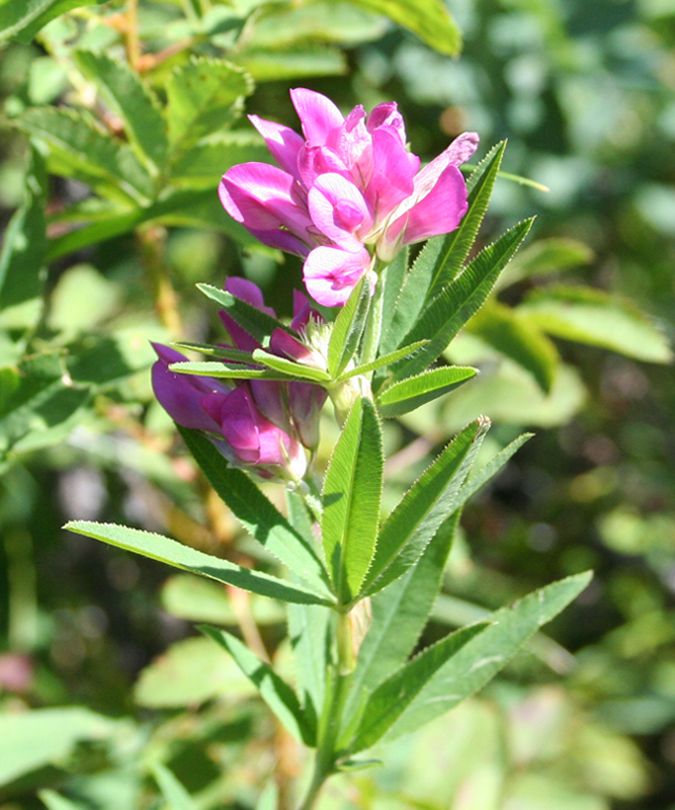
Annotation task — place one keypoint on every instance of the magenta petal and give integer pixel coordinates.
(462, 148)
(283, 143)
(314, 161)
(180, 394)
(317, 113)
(339, 211)
(284, 345)
(264, 198)
(440, 211)
(331, 273)
(387, 115)
(249, 292)
(392, 176)
(240, 337)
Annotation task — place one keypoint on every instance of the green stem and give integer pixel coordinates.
(331, 720)
(371, 339)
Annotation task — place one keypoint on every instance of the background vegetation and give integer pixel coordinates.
(103, 683)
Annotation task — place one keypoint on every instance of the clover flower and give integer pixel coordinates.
(262, 425)
(346, 193)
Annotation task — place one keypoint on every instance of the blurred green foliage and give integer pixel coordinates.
(111, 232)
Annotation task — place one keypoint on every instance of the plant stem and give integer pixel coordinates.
(331, 720)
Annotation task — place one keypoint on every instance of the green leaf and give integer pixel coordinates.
(204, 96)
(198, 208)
(429, 501)
(225, 352)
(312, 60)
(455, 246)
(203, 164)
(38, 403)
(351, 500)
(308, 626)
(191, 672)
(383, 360)
(268, 798)
(54, 801)
(592, 316)
(226, 371)
(127, 97)
(482, 657)
(258, 324)
(173, 791)
(157, 547)
(399, 614)
(290, 367)
(517, 337)
(278, 695)
(391, 698)
(429, 19)
(461, 299)
(348, 328)
(393, 277)
(34, 739)
(476, 481)
(22, 19)
(80, 148)
(256, 512)
(22, 260)
(409, 394)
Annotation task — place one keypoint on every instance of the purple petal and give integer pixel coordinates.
(305, 402)
(339, 211)
(331, 273)
(249, 292)
(387, 115)
(303, 312)
(240, 337)
(270, 402)
(180, 394)
(393, 176)
(314, 161)
(284, 345)
(318, 114)
(440, 211)
(283, 143)
(264, 198)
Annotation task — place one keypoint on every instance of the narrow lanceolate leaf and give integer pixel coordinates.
(462, 298)
(399, 614)
(204, 96)
(258, 324)
(351, 500)
(475, 482)
(228, 371)
(54, 801)
(175, 795)
(308, 626)
(123, 91)
(278, 695)
(158, 547)
(290, 368)
(224, 352)
(384, 360)
(80, 148)
(348, 328)
(390, 700)
(482, 657)
(429, 19)
(405, 396)
(22, 260)
(393, 278)
(429, 501)
(456, 245)
(518, 338)
(256, 512)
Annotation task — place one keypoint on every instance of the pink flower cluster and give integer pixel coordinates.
(259, 424)
(346, 192)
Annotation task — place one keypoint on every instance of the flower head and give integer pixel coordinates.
(261, 425)
(346, 191)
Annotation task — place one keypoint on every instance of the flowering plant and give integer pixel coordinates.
(349, 198)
